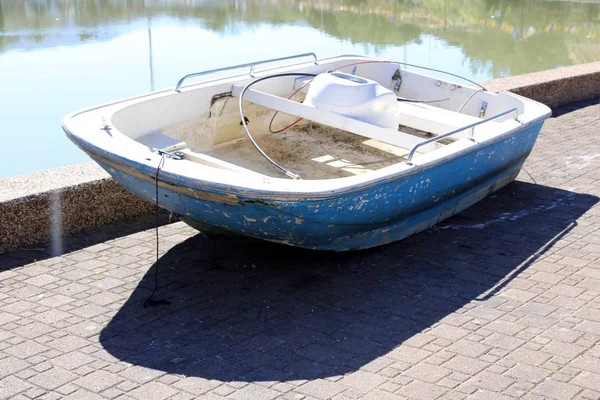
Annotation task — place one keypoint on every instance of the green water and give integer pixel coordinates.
(57, 56)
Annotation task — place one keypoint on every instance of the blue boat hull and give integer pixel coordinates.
(374, 215)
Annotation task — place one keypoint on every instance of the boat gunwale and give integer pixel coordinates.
(226, 188)
(169, 180)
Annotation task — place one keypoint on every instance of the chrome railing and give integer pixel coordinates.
(445, 135)
(251, 65)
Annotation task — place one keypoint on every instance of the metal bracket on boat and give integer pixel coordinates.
(105, 125)
(445, 135)
(174, 156)
(251, 65)
(398, 78)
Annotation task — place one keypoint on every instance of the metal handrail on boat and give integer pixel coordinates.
(470, 126)
(251, 65)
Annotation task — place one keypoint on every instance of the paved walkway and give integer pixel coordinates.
(502, 301)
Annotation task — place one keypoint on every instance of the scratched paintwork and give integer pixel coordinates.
(373, 216)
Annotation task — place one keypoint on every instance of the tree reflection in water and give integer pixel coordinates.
(497, 37)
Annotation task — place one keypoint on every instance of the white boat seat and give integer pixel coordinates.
(421, 116)
(158, 140)
(433, 119)
(290, 107)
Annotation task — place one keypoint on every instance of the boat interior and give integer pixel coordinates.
(202, 122)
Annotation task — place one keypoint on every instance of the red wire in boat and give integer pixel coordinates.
(282, 129)
(277, 112)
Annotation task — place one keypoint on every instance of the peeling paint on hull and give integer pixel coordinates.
(374, 216)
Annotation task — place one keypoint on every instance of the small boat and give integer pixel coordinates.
(342, 153)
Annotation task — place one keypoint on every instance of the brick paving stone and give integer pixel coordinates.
(33, 330)
(420, 390)
(377, 365)
(483, 312)
(534, 307)
(365, 381)
(72, 360)
(104, 298)
(89, 311)
(562, 334)
(11, 385)
(26, 349)
(10, 365)
(505, 327)
(321, 389)
(527, 356)
(71, 289)
(465, 365)
(449, 332)
(84, 329)
(557, 390)
(51, 316)
(35, 392)
(518, 295)
(82, 394)
(53, 378)
(503, 341)
(254, 391)
(26, 373)
(19, 307)
(589, 327)
(586, 363)
(68, 343)
(194, 385)
(588, 380)
(528, 373)
(55, 300)
(546, 277)
(26, 292)
(141, 374)
(409, 354)
(98, 381)
(483, 394)
(41, 280)
(6, 318)
(153, 391)
(490, 381)
(427, 372)
(566, 290)
(563, 349)
(108, 283)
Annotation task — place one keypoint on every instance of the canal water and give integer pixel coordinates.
(57, 56)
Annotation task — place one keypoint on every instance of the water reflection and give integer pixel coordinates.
(504, 37)
(497, 37)
(360, 21)
(61, 55)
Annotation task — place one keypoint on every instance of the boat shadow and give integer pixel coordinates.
(252, 311)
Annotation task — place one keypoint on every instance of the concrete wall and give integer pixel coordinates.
(37, 208)
(555, 87)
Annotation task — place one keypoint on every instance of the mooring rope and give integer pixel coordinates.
(150, 300)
